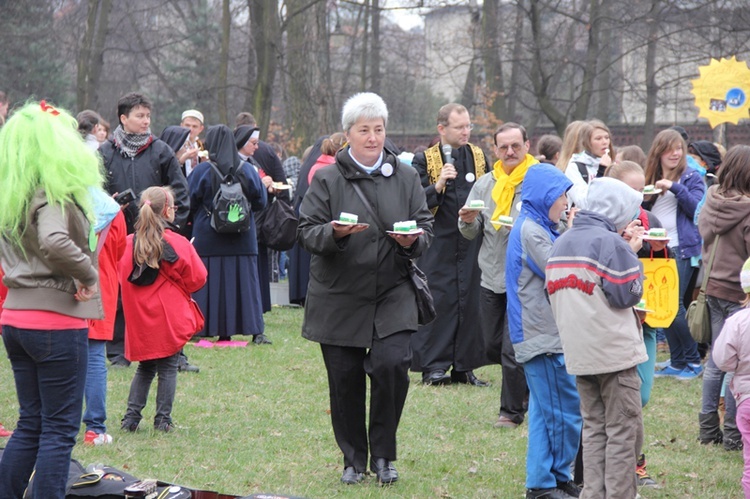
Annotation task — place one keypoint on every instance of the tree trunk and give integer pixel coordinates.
(91, 57)
(266, 33)
(651, 88)
(589, 70)
(222, 83)
(539, 79)
(516, 69)
(365, 48)
(375, 61)
(310, 107)
(491, 56)
(604, 78)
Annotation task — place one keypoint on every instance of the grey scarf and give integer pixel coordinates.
(130, 143)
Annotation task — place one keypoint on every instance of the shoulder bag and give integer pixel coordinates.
(698, 315)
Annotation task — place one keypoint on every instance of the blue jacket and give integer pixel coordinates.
(689, 191)
(532, 326)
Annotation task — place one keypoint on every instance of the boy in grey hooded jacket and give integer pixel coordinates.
(594, 279)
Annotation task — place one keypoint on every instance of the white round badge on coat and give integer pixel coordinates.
(470, 177)
(387, 169)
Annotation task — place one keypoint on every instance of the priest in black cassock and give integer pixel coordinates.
(453, 342)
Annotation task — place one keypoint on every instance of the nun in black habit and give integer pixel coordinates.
(267, 164)
(230, 300)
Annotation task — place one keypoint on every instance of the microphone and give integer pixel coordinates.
(447, 152)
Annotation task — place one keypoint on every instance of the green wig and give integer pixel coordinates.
(41, 149)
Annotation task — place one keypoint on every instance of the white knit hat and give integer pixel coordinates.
(193, 113)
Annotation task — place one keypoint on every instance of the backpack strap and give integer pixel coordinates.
(583, 171)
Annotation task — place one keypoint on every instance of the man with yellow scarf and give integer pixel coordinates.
(501, 193)
(454, 339)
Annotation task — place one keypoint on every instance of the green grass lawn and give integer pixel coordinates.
(256, 419)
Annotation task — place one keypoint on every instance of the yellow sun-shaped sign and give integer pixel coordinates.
(722, 91)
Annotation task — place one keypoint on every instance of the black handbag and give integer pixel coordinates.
(425, 303)
(277, 225)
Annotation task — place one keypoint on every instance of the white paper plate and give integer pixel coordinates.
(655, 191)
(410, 233)
(644, 310)
(279, 186)
(469, 208)
(359, 224)
(495, 223)
(646, 237)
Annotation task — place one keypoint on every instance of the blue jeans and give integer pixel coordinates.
(95, 392)
(713, 377)
(165, 389)
(646, 370)
(554, 421)
(682, 347)
(283, 259)
(49, 368)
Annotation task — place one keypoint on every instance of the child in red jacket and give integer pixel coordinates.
(159, 271)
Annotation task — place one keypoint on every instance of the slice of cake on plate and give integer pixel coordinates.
(348, 218)
(406, 226)
(657, 232)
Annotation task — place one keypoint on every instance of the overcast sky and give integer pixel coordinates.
(406, 18)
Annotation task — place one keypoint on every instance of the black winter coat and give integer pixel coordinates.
(359, 285)
(154, 165)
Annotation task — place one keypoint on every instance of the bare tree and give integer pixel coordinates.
(91, 56)
(266, 37)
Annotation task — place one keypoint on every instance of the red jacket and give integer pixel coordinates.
(158, 317)
(111, 252)
(323, 160)
(3, 291)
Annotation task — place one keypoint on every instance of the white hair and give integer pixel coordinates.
(365, 105)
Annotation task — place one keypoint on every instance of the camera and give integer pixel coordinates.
(125, 197)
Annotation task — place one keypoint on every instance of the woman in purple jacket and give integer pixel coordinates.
(682, 189)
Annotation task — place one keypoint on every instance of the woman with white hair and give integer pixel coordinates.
(361, 305)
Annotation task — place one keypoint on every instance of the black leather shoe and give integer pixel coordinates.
(437, 377)
(261, 339)
(384, 470)
(546, 494)
(188, 368)
(467, 378)
(351, 477)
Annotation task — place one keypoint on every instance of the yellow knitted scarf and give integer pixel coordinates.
(505, 185)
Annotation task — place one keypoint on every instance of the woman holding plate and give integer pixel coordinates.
(361, 306)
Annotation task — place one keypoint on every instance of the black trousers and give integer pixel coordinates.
(116, 346)
(387, 364)
(514, 394)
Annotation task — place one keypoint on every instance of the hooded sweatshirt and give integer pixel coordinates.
(727, 215)
(532, 326)
(594, 279)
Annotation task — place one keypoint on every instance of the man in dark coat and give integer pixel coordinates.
(135, 159)
(454, 338)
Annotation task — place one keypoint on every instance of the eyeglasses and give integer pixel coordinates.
(462, 128)
(504, 148)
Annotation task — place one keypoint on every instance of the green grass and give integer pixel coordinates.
(256, 419)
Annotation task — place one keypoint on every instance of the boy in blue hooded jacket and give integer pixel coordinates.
(553, 415)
